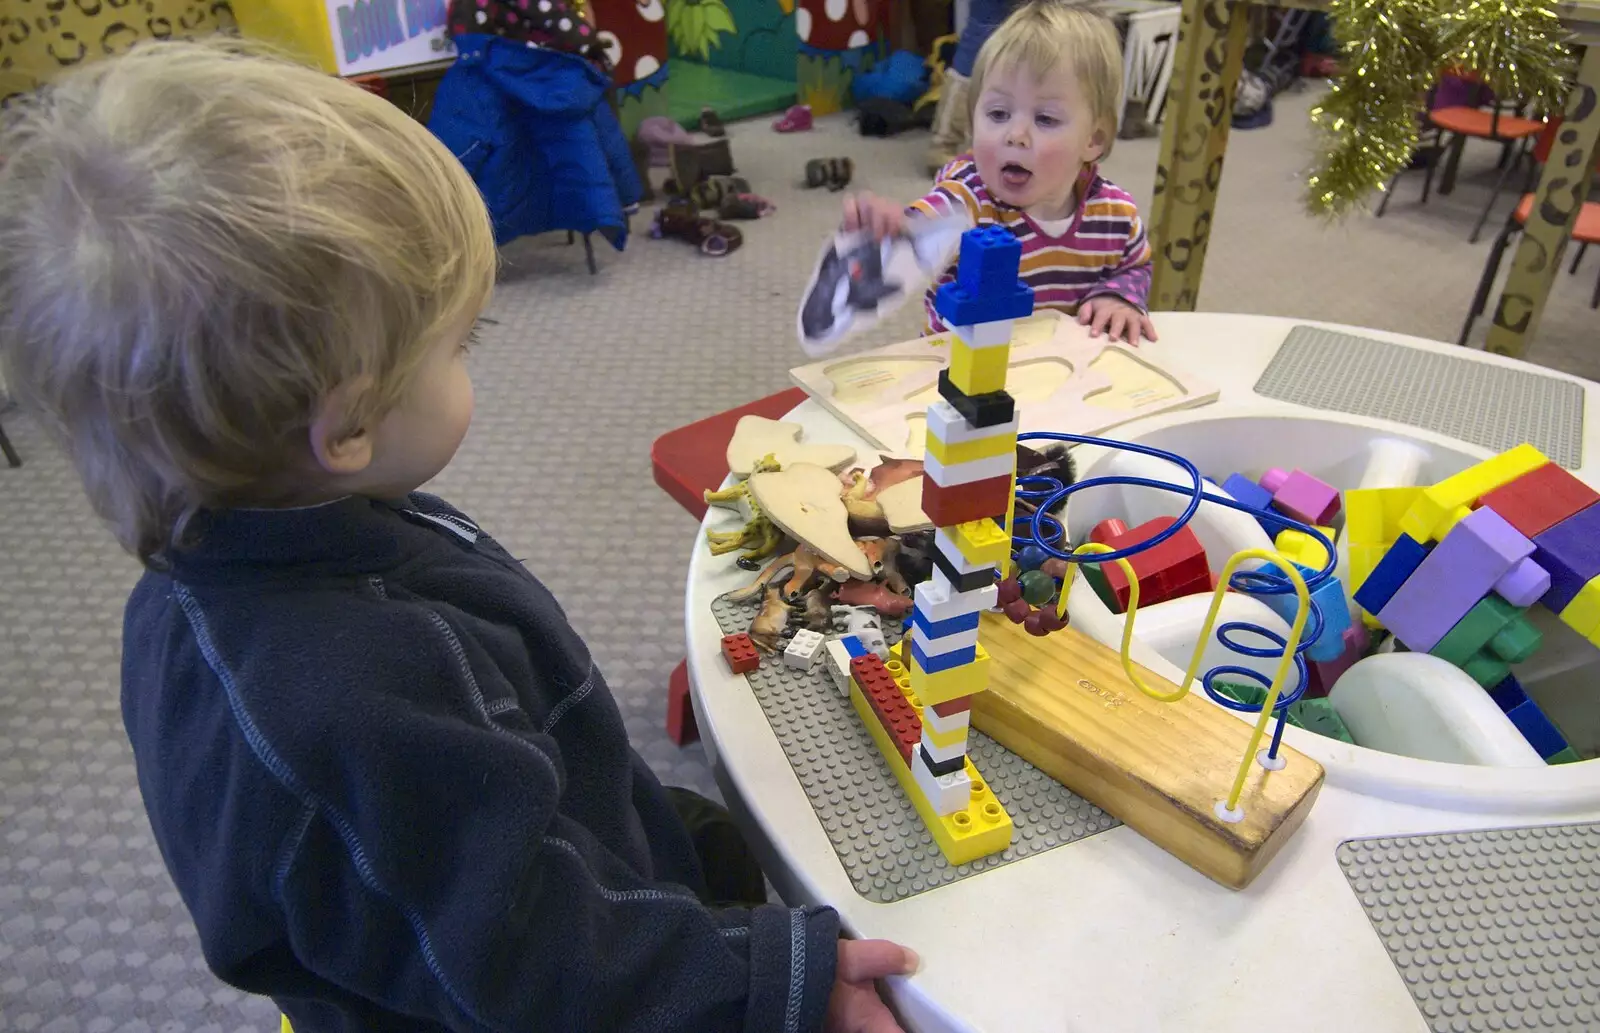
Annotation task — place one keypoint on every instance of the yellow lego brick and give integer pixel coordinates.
(1583, 613)
(982, 829)
(966, 680)
(1002, 444)
(1437, 509)
(978, 371)
(1304, 549)
(982, 542)
(942, 739)
(1372, 515)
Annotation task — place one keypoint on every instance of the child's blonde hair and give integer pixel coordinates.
(198, 243)
(1040, 34)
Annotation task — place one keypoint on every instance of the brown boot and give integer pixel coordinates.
(952, 123)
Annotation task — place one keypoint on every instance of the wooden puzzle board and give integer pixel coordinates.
(1062, 379)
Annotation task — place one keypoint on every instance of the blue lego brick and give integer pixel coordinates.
(1328, 598)
(960, 307)
(943, 661)
(1399, 563)
(991, 260)
(853, 645)
(1543, 736)
(939, 629)
(1508, 695)
(1251, 494)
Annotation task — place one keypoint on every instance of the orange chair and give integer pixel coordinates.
(1585, 231)
(1513, 131)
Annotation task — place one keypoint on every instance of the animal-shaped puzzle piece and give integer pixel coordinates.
(755, 437)
(803, 501)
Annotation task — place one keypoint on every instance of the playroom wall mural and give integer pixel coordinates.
(635, 35)
(38, 38)
(837, 40)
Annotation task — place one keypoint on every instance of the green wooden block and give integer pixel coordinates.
(1517, 641)
(1487, 618)
(1486, 669)
(1318, 715)
(1566, 756)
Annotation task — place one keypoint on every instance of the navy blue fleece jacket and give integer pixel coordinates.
(396, 794)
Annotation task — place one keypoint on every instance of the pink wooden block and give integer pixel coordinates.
(1306, 499)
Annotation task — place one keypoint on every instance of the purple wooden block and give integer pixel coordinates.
(1305, 498)
(1524, 583)
(1464, 568)
(1273, 479)
(1570, 552)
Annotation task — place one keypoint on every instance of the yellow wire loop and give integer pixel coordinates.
(1285, 664)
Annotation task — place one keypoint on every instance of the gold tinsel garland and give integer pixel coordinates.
(1390, 54)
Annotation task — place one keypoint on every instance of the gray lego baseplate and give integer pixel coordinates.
(881, 841)
(1485, 404)
(1491, 930)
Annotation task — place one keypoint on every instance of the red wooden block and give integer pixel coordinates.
(883, 694)
(1162, 571)
(1108, 529)
(978, 500)
(954, 706)
(740, 653)
(1540, 499)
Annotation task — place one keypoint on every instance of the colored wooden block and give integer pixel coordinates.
(1063, 703)
(1363, 558)
(1508, 694)
(1244, 490)
(1474, 631)
(1106, 530)
(1540, 499)
(964, 503)
(1566, 756)
(1372, 515)
(1582, 614)
(1486, 669)
(1524, 584)
(1393, 568)
(982, 829)
(979, 371)
(937, 663)
(741, 653)
(1570, 552)
(1543, 736)
(937, 605)
(935, 687)
(1328, 598)
(1175, 563)
(1004, 465)
(982, 543)
(946, 424)
(1306, 498)
(1431, 513)
(1272, 479)
(1462, 570)
(1304, 549)
(1517, 641)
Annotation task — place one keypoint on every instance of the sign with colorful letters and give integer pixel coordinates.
(378, 35)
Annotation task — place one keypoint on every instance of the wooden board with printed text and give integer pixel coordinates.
(1064, 704)
(1062, 379)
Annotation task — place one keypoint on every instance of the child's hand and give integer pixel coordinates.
(854, 1006)
(1120, 320)
(877, 215)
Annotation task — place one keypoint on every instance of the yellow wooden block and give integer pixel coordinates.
(1304, 549)
(943, 739)
(1583, 613)
(978, 371)
(1002, 444)
(1437, 509)
(982, 829)
(982, 542)
(1372, 515)
(966, 680)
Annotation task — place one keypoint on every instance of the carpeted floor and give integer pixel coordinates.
(575, 379)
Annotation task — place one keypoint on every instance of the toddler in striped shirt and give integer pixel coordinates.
(1045, 89)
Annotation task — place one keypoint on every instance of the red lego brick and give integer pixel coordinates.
(740, 653)
(1108, 529)
(954, 706)
(1540, 499)
(896, 714)
(1163, 571)
(977, 500)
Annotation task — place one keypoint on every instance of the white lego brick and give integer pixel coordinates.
(950, 427)
(960, 721)
(803, 650)
(949, 794)
(952, 553)
(954, 474)
(938, 603)
(943, 643)
(940, 754)
(986, 335)
(946, 586)
(839, 665)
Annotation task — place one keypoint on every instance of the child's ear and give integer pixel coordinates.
(339, 447)
(1097, 144)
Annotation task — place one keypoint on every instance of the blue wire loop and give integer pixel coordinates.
(1047, 532)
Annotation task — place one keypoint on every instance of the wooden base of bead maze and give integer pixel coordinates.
(1064, 704)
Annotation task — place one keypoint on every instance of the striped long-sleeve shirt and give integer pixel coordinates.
(1100, 249)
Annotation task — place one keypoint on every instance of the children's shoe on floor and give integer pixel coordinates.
(682, 222)
(833, 173)
(796, 120)
(711, 124)
(713, 190)
(746, 206)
